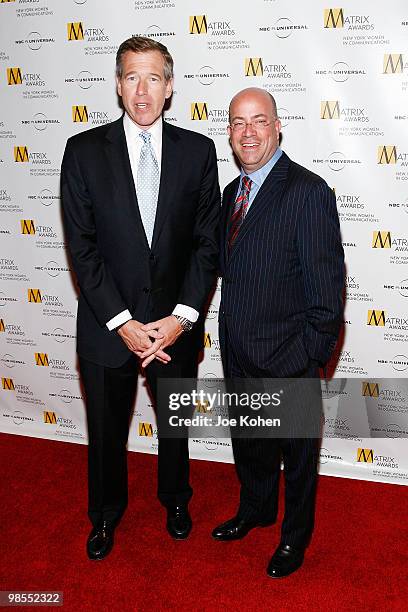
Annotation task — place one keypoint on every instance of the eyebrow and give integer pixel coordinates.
(253, 116)
(155, 74)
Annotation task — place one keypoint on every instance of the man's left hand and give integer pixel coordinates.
(171, 330)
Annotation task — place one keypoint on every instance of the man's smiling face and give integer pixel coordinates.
(254, 128)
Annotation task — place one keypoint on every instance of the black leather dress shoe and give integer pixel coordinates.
(100, 541)
(179, 522)
(237, 528)
(285, 560)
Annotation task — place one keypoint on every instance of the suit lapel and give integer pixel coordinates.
(270, 192)
(170, 166)
(123, 184)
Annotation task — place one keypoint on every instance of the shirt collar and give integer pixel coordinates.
(132, 131)
(260, 175)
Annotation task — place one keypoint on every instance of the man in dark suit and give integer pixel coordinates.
(141, 207)
(280, 313)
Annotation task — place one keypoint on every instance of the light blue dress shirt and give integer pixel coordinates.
(259, 176)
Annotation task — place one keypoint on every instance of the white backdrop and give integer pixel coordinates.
(340, 77)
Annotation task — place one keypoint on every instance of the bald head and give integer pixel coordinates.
(254, 128)
(254, 93)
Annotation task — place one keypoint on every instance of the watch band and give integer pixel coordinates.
(186, 324)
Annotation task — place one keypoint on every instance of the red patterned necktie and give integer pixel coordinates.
(240, 208)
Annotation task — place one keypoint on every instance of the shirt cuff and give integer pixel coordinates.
(186, 312)
(120, 319)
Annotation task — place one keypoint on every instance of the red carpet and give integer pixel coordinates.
(357, 561)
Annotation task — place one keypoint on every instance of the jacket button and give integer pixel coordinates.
(146, 289)
(152, 257)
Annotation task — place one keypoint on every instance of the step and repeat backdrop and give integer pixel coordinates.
(339, 73)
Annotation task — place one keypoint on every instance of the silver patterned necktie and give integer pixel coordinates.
(147, 185)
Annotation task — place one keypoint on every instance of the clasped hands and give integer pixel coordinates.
(149, 341)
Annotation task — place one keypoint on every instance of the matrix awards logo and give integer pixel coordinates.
(217, 118)
(336, 18)
(2, 326)
(376, 318)
(332, 109)
(81, 114)
(21, 154)
(198, 24)
(34, 296)
(199, 111)
(370, 389)
(41, 359)
(207, 340)
(219, 34)
(253, 67)
(8, 384)
(385, 240)
(65, 426)
(278, 78)
(145, 429)
(4, 1)
(75, 30)
(14, 76)
(387, 154)
(393, 63)
(50, 418)
(333, 18)
(329, 109)
(365, 455)
(381, 240)
(27, 226)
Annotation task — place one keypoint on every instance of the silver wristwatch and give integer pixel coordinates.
(186, 324)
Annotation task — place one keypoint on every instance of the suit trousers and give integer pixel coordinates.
(258, 463)
(110, 394)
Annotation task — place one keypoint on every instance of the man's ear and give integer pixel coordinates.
(169, 88)
(118, 86)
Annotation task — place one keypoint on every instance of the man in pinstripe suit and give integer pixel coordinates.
(282, 265)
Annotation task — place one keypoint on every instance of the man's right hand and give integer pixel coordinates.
(139, 341)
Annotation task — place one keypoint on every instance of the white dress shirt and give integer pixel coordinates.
(134, 145)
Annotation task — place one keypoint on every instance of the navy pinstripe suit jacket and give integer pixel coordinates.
(281, 297)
